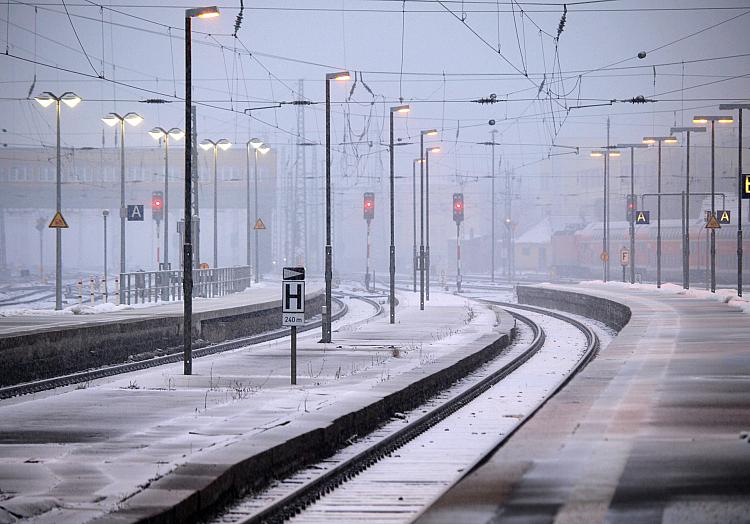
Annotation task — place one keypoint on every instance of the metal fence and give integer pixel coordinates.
(151, 286)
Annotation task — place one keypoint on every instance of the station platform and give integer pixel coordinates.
(38, 344)
(162, 446)
(35, 321)
(654, 429)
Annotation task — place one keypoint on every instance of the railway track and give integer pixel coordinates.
(290, 497)
(37, 386)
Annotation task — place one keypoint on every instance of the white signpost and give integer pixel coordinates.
(293, 306)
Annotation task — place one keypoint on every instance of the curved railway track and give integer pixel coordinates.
(128, 367)
(303, 495)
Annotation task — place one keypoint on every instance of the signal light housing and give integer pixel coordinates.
(458, 207)
(630, 210)
(157, 205)
(368, 206)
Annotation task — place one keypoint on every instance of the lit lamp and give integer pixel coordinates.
(176, 134)
(427, 152)
(651, 140)
(340, 76)
(606, 153)
(132, 119)
(713, 119)
(71, 100)
(257, 146)
(740, 188)
(423, 256)
(686, 237)
(208, 145)
(402, 109)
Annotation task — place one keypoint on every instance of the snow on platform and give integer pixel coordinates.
(77, 454)
(655, 429)
(17, 321)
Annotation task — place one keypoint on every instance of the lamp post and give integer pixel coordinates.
(392, 294)
(159, 133)
(105, 214)
(631, 217)
(111, 120)
(606, 152)
(422, 134)
(649, 140)
(207, 145)
(722, 119)
(415, 260)
(187, 248)
(686, 236)
(739, 107)
(427, 214)
(71, 100)
(326, 320)
(492, 143)
(258, 147)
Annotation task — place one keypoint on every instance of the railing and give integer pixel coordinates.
(152, 286)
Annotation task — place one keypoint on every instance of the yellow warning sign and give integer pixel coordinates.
(259, 224)
(713, 223)
(58, 222)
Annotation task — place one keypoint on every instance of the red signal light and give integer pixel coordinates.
(369, 206)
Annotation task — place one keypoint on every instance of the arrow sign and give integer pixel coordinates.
(294, 273)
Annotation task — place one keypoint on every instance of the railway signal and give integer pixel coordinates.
(157, 205)
(630, 211)
(458, 217)
(368, 207)
(458, 207)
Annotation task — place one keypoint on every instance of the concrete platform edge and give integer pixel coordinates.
(277, 454)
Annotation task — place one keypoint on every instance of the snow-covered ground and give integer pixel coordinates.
(727, 296)
(47, 305)
(100, 443)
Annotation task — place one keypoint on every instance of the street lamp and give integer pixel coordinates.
(427, 213)
(632, 199)
(686, 236)
(105, 214)
(415, 260)
(207, 145)
(650, 140)
(492, 143)
(340, 76)
(71, 100)
(605, 153)
(402, 109)
(422, 134)
(257, 146)
(722, 119)
(159, 133)
(739, 107)
(112, 119)
(187, 248)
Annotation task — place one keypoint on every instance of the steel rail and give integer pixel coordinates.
(293, 503)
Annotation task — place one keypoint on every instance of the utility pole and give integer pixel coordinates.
(606, 207)
(740, 192)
